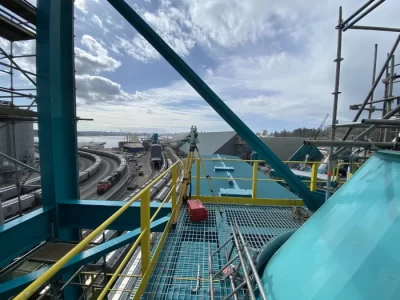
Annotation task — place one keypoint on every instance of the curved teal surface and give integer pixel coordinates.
(350, 248)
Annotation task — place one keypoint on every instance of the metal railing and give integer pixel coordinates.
(143, 240)
(148, 258)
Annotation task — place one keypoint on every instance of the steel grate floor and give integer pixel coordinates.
(186, 248)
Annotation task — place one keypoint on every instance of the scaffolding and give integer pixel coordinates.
(390, 110)
(17, 20)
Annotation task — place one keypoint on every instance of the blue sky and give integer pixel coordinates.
(270, 61)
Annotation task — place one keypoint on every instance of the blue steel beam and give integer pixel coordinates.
(89, 214)
(310, 200)
(56, 106)
(57, 112)
(23, 234)
(12, 287)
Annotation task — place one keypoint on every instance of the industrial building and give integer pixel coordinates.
(133, 147)
(230, 143)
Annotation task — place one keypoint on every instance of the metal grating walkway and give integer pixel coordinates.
(186, 248)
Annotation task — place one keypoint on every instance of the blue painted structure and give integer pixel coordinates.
(265, 189)
(12, 287)
(349, 248)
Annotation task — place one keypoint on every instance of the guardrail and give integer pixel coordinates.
(143, 240)
(149, 257)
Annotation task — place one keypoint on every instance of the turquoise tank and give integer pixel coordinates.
(350, 248)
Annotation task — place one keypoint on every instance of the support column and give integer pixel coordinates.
(56, 107)
(56, 114)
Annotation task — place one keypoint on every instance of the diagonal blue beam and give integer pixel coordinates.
(12, 287)
(215, 102)
(89, 214)
(23, 234)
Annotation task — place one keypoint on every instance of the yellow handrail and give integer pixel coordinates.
(34, 286)
(121, 266)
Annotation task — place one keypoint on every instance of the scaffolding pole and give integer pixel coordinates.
(373, 80)
(385, 65)
(391, 123)
(336, 93)
(361, 16)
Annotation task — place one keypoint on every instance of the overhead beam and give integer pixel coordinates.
(12, 287)
(24, 233)
(89, 214)
(311, 200)
(9, 111)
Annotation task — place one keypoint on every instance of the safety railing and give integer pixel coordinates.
(312, 183)
(148, 255)
(147, 261)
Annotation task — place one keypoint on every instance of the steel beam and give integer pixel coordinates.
(361, 16)
(310, 199)
(371, 128)
(390, 29)
(24, 233)
(56, 106)
(395, 123)
(351, 17)
(349, 144)
(362, 125)
(12, 287)
(89, 214)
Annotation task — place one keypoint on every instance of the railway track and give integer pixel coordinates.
(88, 188)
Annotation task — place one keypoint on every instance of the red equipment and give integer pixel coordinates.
(196, 210)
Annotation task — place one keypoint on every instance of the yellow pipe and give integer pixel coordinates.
(313, 182)
(145, 227)
(198, 177)
(162, 203)
(254, 182)
(34, 286)
(262, 161)
(173, 194)
(122, 265)
(248, 179)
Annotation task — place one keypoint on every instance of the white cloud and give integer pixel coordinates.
(97, 22)
(272, 61)
(94, 61)
(81, 5)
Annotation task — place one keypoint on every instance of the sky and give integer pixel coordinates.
(270, 61)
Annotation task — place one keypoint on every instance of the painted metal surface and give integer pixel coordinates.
(56, 106)
(12, 287)
(265, 189)
(24, 233)
(349, 249)
(89, 214)
(312, 202)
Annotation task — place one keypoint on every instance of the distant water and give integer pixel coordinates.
(111, 141)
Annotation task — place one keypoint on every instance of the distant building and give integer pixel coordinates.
(230, 143)
(133, 147)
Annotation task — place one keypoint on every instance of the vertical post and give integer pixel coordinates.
(145, 227)
(57, 113)
(314, 173)
(255, 180)
(336, 93)
(198, 177)
(386, 104)
(11, 74)
(373, 80)
(174, 185)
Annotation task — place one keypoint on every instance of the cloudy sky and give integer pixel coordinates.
(271, 61)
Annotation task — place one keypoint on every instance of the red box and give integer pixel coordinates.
(196, 210)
